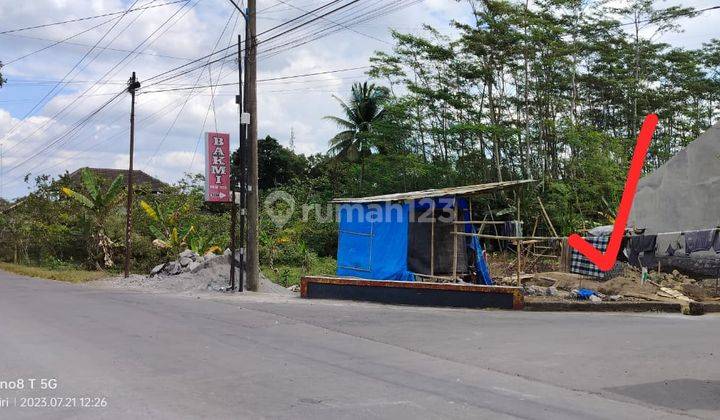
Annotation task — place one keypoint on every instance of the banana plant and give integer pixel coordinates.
(165, 226)
(99, 204)
(203, 243)
(171, 236)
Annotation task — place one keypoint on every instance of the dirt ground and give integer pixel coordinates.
(626, 286)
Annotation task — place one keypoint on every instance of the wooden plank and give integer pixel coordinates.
(509, 238)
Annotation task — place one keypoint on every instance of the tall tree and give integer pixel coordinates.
(361, 113)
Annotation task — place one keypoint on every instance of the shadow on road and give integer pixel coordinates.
(678, 394)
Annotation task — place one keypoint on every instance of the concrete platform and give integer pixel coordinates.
(412, 293)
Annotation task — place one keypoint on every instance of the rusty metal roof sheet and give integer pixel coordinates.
(438, 192)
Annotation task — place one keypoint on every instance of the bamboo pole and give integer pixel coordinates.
(519, 243)
(492, 218)
(547, 218)
(432, 240)
(455, 242)
(479, 222)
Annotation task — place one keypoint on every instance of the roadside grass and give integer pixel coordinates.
(286, 275)
(67, 274)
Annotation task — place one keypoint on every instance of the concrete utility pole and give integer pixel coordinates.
(249, 260)
(238, 182)
(133, 85)
(253, 269)
(241, 182)
(1, 170)
(233, 184)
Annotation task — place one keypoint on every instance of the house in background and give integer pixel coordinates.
(140, 178)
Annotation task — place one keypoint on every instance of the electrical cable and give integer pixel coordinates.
(120, 12)
(259, 80)
(99, 81)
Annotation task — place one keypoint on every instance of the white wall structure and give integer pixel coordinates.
(684, 193)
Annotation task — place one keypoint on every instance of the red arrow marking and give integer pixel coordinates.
(606, 261)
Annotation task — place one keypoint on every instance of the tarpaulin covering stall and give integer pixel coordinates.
(401, 236)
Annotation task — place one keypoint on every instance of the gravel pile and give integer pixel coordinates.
(191, 273)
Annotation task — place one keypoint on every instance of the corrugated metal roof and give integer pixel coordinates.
(438, 192)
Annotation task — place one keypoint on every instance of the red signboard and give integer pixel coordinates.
(217, 168)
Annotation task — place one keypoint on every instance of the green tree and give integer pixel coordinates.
(100, 204)
(361, 113)
(278, 165)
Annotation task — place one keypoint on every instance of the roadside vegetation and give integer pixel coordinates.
(555, 93)
(67, 274)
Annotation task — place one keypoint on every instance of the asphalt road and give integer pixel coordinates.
(169, 356)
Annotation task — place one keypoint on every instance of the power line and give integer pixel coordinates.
(147, 38)
(259, 80)
(188, 98)
(305, 14)
(59, 42)
(383, 10)
(344, 26)
(85, 93)
(75, 127)
(230, 47)
(322, 31)
(14, 127)
(317, 17)
(148, 121)
(120, 12)
(80, 44)
(364, 16)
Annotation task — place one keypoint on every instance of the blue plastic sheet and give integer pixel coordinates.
(373, 241)
(584, 294)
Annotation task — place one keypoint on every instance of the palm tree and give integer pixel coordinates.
(100, 205)
(364, 109)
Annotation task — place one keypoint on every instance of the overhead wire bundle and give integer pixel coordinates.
(101, 81)
(307, 27)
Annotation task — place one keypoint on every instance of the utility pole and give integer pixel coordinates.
(133, 85)
(2, 179)
(248, 151)
(253, 269)
(238, 182)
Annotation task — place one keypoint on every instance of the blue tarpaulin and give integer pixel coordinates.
(373, 240)
(480, 264)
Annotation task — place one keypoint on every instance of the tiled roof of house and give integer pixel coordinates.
(139, 177)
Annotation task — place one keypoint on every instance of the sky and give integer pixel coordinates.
(48, 127)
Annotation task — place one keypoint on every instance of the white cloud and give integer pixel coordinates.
(296, 103)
